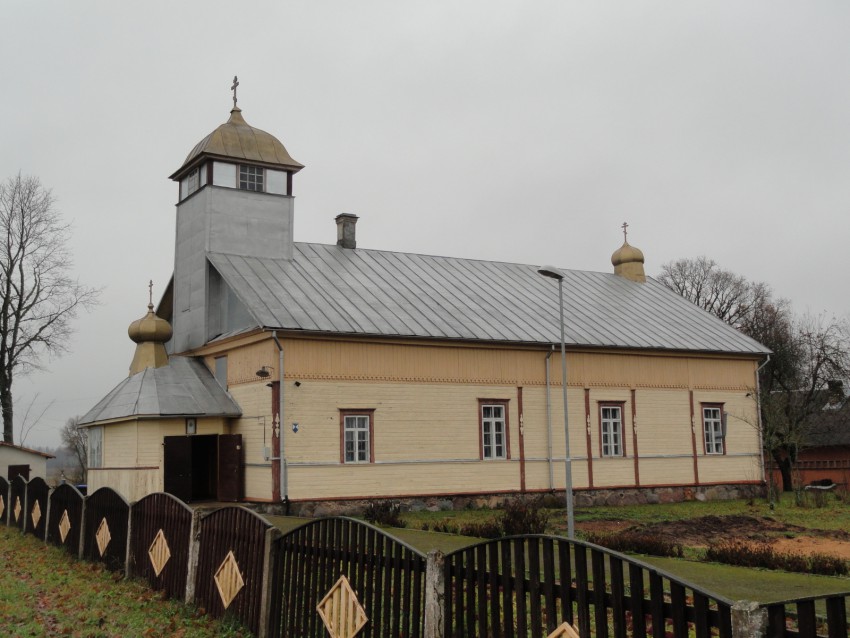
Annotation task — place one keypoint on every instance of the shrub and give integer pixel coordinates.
(523, 516)
(762, 555)
(384, 513)
(636, 542)
(484, 529)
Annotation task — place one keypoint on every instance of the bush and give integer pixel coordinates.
(384, 513)
(523, 516)
(485, 529)
(762, 555)
(636, 542)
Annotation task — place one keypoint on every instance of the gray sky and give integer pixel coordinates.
(512, 131)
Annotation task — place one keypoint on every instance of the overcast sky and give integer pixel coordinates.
(512, 131)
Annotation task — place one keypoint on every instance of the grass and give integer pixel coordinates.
(46, 592)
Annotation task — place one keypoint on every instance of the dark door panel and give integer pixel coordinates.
(230, 467)
(178, 466)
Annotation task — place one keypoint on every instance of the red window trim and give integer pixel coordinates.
(506, 404)
(344, 412)
(702, 407)
(622, 406)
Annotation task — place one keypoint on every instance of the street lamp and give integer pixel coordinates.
(555, 273)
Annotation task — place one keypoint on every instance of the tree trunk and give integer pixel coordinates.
(7, 407)
(783, 462)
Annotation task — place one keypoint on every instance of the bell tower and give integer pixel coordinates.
(235, 196)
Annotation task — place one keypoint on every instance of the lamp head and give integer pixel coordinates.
(551, 271)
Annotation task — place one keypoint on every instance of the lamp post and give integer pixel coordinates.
(555, 273)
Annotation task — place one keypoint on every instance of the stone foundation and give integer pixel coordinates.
(582, 498)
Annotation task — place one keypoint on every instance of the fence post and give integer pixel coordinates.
(128, 551)
(435, 594)
(194, 554)
(269, 573)
(749, 620)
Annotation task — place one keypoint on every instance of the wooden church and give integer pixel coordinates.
(278, 371)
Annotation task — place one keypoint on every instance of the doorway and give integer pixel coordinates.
(203, 467)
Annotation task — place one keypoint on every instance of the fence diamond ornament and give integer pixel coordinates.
(102, 536)
(17, 510)
(228, 579)
(341, 612)
(564, 631)
(64, 526)
(35, 515)
(159, 553)
(2, 506)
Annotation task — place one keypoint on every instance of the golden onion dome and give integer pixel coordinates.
(627, 254)
(150, 328)
(237, 140)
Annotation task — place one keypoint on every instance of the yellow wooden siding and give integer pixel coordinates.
(718, 468)
(663, 420)
(131, 484)
(670, 471)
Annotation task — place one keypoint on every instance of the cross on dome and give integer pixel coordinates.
(233, 88)
(625, 228)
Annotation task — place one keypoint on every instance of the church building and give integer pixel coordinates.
(279, 371)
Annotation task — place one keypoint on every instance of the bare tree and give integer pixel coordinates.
(75, 439)
(38, 297)
(807, 353)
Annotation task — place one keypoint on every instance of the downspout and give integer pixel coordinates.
(761, 425)
(549, 419)
(284, 487)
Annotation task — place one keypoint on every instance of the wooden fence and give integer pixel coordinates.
(35, 521)
(65, 523)
(106, 521)
(160, 526)
(386, 574)
(4, 501)
(348, 574)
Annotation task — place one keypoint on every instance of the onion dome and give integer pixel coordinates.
(150, 334)
(628, 262)
(236, 140)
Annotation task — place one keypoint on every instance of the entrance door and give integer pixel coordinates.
(177, 469)
(19, 470)
(229, 467)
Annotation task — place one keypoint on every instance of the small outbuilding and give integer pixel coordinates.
(22, 461)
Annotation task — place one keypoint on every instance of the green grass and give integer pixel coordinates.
(46, 592)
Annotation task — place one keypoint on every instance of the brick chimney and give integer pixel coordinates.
(345, 236)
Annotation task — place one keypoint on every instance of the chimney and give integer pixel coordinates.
(345, 223)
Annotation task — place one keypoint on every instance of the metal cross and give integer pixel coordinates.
(625, 227)
(233, 88)
(150, 292)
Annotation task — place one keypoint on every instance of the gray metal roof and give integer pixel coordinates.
(184, 387)
(371, 292)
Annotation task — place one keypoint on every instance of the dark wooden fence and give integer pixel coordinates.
(386, 574)
(529, 585)
(35, 522)
(809, 617)
(229, 577)
(159, 542)
(106, 520)
(4, 501)
(18, 502)
(65, 522)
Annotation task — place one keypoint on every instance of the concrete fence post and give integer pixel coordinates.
(435, 594)
(749, 620)
(128, 550)
(194, 554)
(269, 571)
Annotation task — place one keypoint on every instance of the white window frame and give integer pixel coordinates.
(95, 447)
(193, 181)
(712, 429)
(356, 438)
(611, 430)
(251, 178)
(494, 431)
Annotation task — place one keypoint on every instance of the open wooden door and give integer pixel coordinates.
(230, 486)
(178, 466)
(19, 470)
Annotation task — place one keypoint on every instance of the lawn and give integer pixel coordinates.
(46, 592)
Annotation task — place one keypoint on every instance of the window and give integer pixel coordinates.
(250, 178)
(494, 429)
(712, 427)
(357, 436)
(221, 371)
(611, 429)
(95, 444)
(194, 181)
